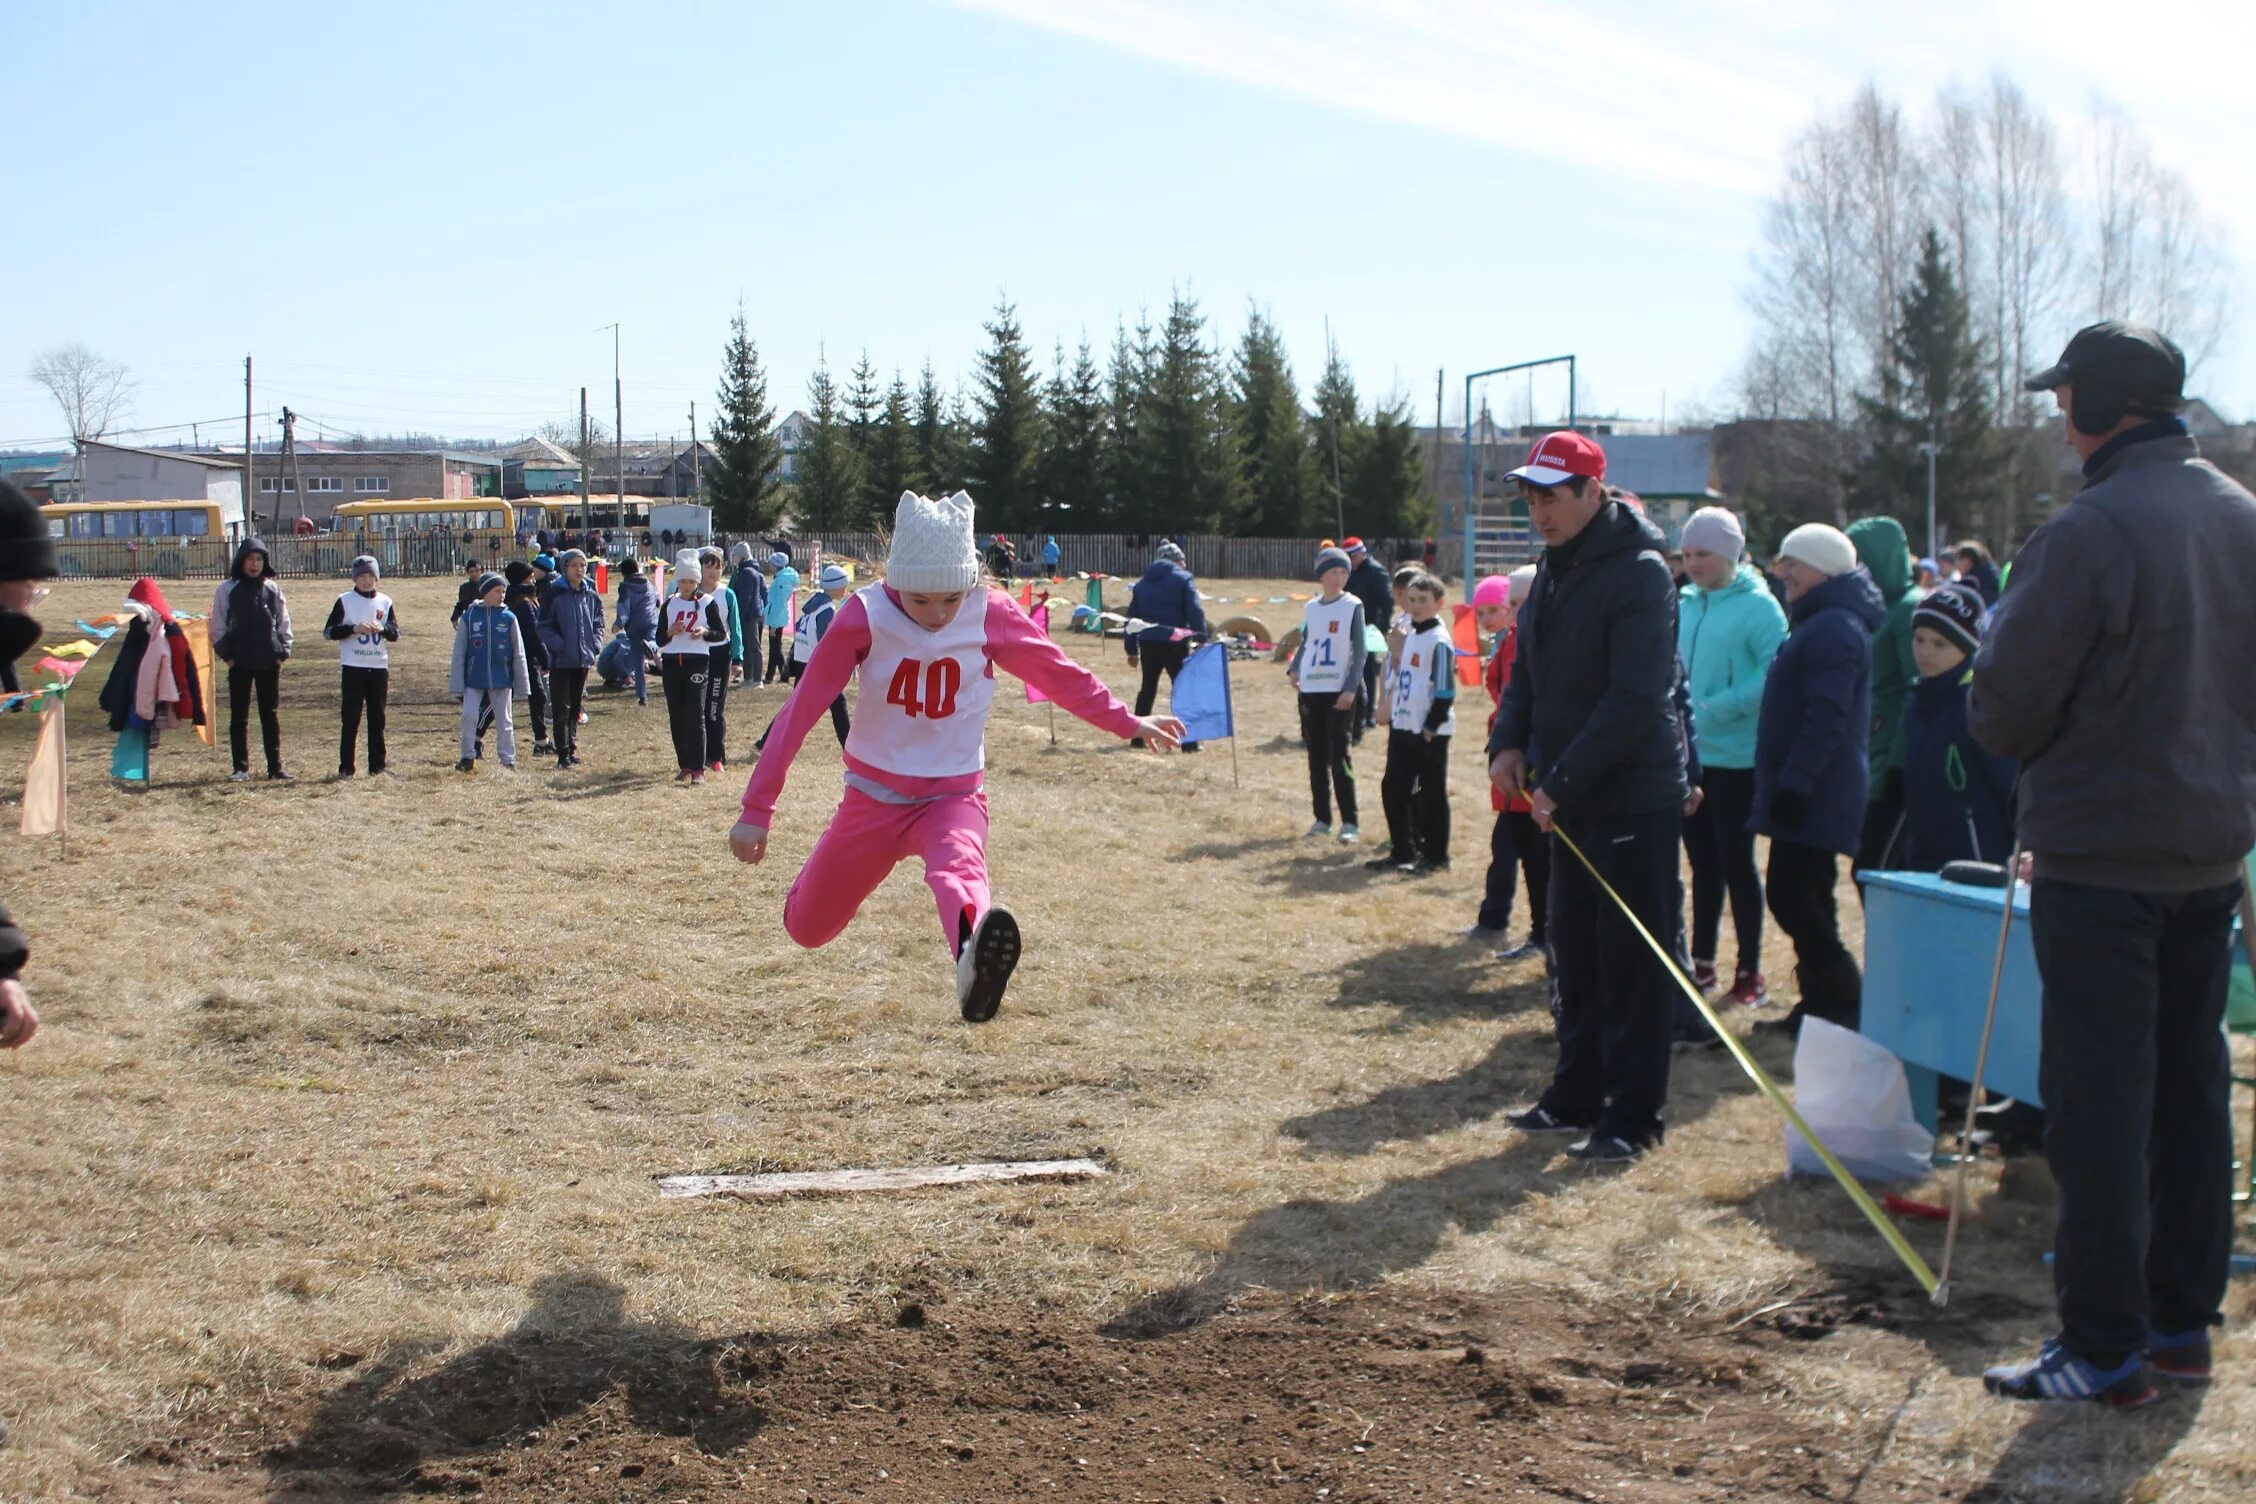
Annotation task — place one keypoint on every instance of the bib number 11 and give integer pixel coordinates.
(926, 689)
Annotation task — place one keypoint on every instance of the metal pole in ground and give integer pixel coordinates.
(1974, 1090)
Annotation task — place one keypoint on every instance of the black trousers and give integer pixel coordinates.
(1328, 729)
(1722, 852)
(1367, 699)
(1613, 993)
(567, 689)
(682, 675)
(1158, 658)
(776, 657)
(1882, 839)
(1801, 896)
(2138, 1121)
(240, 684)
(1515, 842)
(838, 723)
(716, 706)
(364, 689)
(1415, 792)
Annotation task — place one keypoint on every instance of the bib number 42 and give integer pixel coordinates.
(926, 689)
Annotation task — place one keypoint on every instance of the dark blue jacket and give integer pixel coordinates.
(1166, 598)
(1811, 776)
(1596, 680)
(751, 589)
(1958, 799)
(638, 609)
(571, 624)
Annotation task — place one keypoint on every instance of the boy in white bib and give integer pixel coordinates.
(364, 625)
(927, 640)
(1327, 669)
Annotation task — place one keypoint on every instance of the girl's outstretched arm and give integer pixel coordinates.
(1022, 646)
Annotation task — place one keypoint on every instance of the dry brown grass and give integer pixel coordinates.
(332, 1068)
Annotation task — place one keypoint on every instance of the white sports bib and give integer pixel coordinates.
(685, 619)
(1327, 646)
(366, 615)
(803, 637)
(1414, 684)
(925, 696)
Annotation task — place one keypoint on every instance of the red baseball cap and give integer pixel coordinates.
(1354, 546)
(1559, 457)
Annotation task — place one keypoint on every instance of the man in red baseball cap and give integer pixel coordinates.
(1589, 726)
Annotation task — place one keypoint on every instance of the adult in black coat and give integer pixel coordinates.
(27, 556)
(1589, 723)
(1368, 583)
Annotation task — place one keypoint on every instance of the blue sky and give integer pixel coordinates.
(416, 215)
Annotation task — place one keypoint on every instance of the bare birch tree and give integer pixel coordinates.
(91, 389)
(2029, 236)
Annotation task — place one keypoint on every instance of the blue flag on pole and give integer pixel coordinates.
(1201, 700)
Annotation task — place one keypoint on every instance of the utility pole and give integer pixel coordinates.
(1433, 471)
(696, 460)
(250, 491)
(1930, 449)
(1339, 493)
(618, 425)
(289, 466)
(584, 523)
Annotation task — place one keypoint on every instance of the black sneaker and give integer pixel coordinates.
(984, 966)
(544, 748)
(1384, 864)
(276, 775)
(1538, 1119)
(1605, 1149)
(466, 766)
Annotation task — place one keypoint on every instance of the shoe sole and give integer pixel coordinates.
(2136, 1399)
(994, 956)
(1563, 1130)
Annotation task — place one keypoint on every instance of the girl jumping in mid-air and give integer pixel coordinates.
(927, 639)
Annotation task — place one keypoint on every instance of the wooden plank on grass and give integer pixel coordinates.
(855, 1182)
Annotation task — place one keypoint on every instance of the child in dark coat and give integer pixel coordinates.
(1958, 799)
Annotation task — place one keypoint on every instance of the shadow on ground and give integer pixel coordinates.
(2086, 1454)
(1426, 981)
(574, 1348)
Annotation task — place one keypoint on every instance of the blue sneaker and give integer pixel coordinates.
(2058, 1374)
(2180, 1357)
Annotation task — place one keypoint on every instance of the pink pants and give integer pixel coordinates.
(867, 838)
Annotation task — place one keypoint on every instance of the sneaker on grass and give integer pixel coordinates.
(1749, 990)
(2058, 1374)
(1605, 1149)
(1319, 831)
(1488, 939)
(1349, 835)
(1520, 952)
(2180, 1357)
(1539, 1119)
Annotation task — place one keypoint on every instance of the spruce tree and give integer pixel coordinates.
(1931, 385)
(830, 472)
(1271, 434)
(936, 467)
(1073, 480)
(1385, 471)
(743, 489)
(1006, 430)
(1336, 434)
(863, 402)
(892, 466)
(1126, 505)
(1189, 459)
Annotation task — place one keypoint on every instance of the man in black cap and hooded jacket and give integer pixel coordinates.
(2117, 669)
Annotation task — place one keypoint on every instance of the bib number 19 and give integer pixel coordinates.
(926, 689)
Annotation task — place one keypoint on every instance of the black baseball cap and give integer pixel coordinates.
(2140, 363)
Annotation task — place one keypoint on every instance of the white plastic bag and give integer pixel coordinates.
(1853, 1095)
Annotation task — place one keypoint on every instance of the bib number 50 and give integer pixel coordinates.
(926, 689)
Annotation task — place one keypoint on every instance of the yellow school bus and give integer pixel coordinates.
(143, 521)
(387, 517)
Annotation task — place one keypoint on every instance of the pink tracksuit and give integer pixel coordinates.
(916, 752)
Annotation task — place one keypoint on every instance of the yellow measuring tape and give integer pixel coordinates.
(1769, 1088)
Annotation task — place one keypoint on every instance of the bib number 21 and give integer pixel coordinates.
(926, 689)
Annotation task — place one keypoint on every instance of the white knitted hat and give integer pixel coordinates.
(686, 566)
(932, 549)
(1824, 549)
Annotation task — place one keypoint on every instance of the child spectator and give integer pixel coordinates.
(364, 624)
(1886, 555)
(487, 668)
(1515, 844)
(1327, 670)
(813, 625)
(1958, 799)
(927, 639)
(783, 584)
(1810, 768)
(628, 655)
(523, 601)
(1729, 628)
(472, 572)
(1422, 716)
(570, 618)
(751, 589)
(250, 633)
(728, 657)
(688, 625)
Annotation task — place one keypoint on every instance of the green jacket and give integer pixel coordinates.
(1884, 551)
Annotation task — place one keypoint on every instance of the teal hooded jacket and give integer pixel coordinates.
(1727, 639)
(1883, 550)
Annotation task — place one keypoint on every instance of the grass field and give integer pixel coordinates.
(331, 1174)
